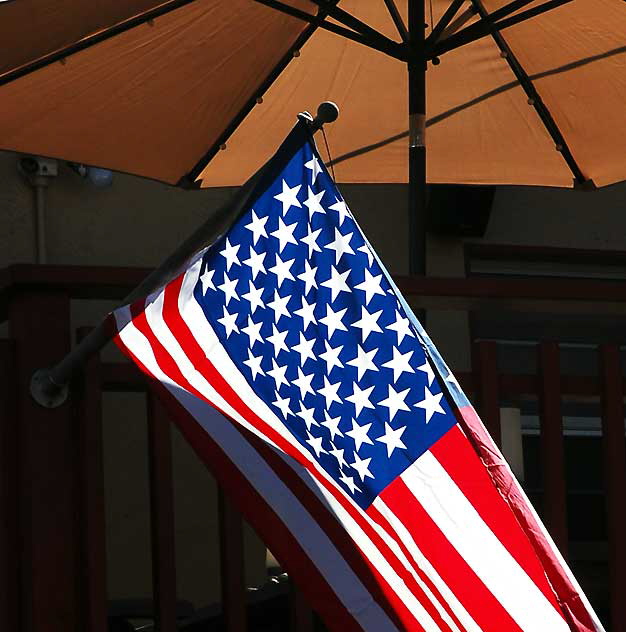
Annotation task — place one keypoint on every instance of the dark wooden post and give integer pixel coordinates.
(301, 613)
(87, 400)
(614, 454)
(551, 438)
(39, 322)
(485, 368)
(232, 566)
(9, 514)
(162, 516)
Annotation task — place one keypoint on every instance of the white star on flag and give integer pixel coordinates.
(279, 305)
(229, 288)
(426, 368)
(362, 466)
(316, 444)
(371, 286)
(311, 241)
(306, 313)
(207, 280)
(277, 373)
(395, 401)
(332, 423)
(399, 363)
(348, 481)
(337, 283)
(306, 414)
(255, 262)
(364, 361)
(315, 168)
(303, 382)
(284, 234)
(313, 203)
(392, 439)
(308, 277)
(255, 364)
(277, 340)
(228, 321)
(359, 434)
(368, 251)
(333, 320)
(253, 331)
(342, 208)
(401, 327)
(230, 254)
(341, 245)
(329, 391)
(331, 357)
(338, 454)
(305, 349)
(282, 403)
(254, 297)
(368, 322)
(282, 270)
(288, 197)
(360, 397)
(257, 227)
(430, 404)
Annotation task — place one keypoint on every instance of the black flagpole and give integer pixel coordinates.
(50, 386)
(417, 141)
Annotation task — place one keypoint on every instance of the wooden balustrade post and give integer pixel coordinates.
(9, 514)
(301, 612)
(485, 368)
(614, 454)
(551, 444)
(232, 566)
(162, 515)
(87, 402)
(39, 323)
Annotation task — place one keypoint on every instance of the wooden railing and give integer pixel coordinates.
(52, 529)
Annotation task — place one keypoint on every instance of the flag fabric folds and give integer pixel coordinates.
(299, 374)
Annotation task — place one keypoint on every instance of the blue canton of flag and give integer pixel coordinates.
(303, 308)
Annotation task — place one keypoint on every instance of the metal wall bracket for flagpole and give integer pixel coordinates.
(49, 387)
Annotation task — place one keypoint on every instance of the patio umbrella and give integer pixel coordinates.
(520, 92)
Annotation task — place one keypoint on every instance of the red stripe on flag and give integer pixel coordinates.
(575, 611)
(384, 523)
(171, 369)
(255, 510)
(469, 589)
(199, 360)
(457, 456)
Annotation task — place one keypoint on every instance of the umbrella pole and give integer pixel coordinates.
(417, 143)
(49, 386)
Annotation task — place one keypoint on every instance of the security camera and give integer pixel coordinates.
(33, 166)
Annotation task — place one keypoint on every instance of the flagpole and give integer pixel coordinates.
(50, 387)
(417, 142)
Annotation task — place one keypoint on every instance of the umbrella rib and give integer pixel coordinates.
(353, 22)
(382, 44)
(187, 181)
(92, 40)
(482, 28)
(397, 20)
(533, 96)
(446, 18)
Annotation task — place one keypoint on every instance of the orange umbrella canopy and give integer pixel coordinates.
(156, 88)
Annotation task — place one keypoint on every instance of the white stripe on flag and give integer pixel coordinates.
(480, 548)
(318, 547)
(206, 338)
(422, 562)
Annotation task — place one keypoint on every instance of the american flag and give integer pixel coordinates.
(301, 377)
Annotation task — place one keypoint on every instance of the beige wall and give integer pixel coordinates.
(137, 222)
